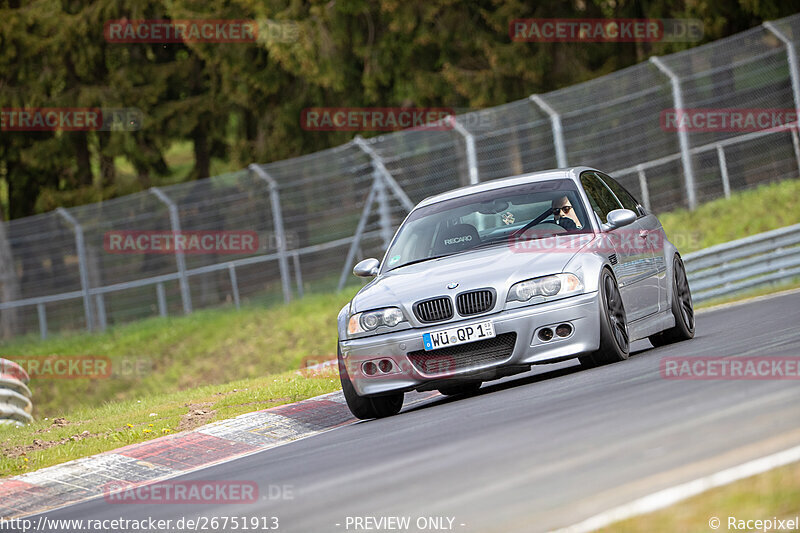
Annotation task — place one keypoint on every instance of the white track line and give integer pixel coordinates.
(673, 495)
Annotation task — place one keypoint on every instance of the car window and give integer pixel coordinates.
(626, 198)
(486, 218)
(600, 196)
(520, 209)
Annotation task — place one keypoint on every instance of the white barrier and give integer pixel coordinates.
(15, 396)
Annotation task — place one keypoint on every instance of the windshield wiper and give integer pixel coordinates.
(415, 261)
(477, 246)
(487, 243)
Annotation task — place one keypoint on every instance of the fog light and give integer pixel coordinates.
(563, 330)
(370, 368)
(545, 334)
(385, 365)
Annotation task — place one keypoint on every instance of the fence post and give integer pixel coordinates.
(683, 137)
(723, 168)
(162, 299)
(794, 74)
(558, 131)
(472, 157)
(384, 179)
(175, 222)
(99, 300)
(384, 214)
(384, 173)
(80, 246)
(796, 144)
(40, 310)
(362, 223)
(298, 274)
(280, 234)
(643, 186)
(234, 284)
(791, 55)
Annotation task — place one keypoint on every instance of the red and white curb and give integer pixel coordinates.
(173, 455)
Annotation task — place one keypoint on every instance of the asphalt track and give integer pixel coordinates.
(533, 452)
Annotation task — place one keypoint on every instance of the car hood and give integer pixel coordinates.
(497, 267)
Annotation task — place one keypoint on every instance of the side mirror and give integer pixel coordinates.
(368, 268)
(618, 218)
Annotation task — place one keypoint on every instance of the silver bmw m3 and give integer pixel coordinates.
(484, 281)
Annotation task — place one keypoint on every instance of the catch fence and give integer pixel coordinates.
(316, 215)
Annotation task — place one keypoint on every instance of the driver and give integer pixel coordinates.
(564, 215)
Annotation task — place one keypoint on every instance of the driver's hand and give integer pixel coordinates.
(567, 223)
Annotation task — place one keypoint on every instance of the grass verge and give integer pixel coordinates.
(208, 347)
(746, 213)
(773, 494)
(91, 430)
(219, 363)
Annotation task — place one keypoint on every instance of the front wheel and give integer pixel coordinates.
(364, 407)
(614, 341)
(682, 309)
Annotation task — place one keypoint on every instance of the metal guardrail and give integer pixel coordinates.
(15, 396)
(742, 264)
(158, 282)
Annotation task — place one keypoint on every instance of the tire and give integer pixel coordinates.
(466, 388)
(614, 339)
(682, 309)
(364, 407)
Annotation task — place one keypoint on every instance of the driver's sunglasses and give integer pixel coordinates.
(566, 209)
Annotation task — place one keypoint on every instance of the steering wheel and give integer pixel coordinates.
(551, 228)
(532, 223)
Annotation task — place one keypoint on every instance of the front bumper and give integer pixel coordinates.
(581, 312)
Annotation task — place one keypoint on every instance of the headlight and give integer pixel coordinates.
(370, 320)
(557, 285)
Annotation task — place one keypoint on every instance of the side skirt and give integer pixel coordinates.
(650, 325)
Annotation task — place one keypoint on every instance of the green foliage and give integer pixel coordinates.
(232, 104)
(769, 495)
(221, 345)
(181, 353)
(746, 213)
(231, 362)
(99, 427)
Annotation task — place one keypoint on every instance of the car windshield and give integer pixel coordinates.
(487, 218)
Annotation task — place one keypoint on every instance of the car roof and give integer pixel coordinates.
(560, 173)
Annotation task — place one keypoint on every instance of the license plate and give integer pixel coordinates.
(460, 335)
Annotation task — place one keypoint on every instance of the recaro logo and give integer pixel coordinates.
(456, 240)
